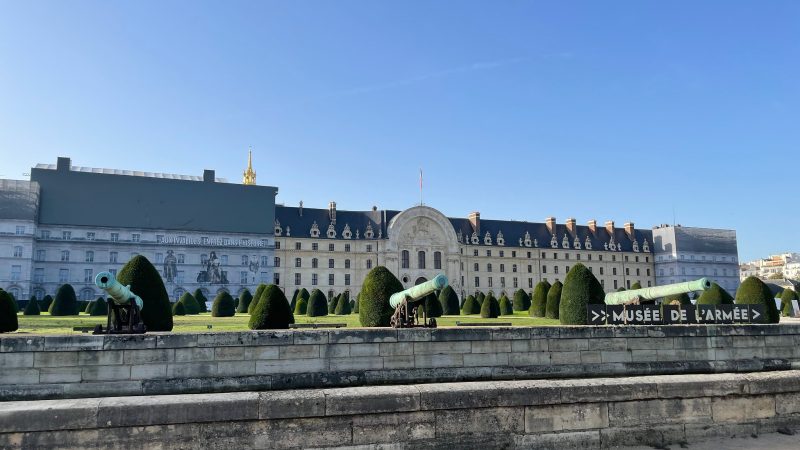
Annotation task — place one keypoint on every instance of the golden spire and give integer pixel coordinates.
(249, 175)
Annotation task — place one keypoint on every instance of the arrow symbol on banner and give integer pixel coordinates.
(601, 316)
(756, 314)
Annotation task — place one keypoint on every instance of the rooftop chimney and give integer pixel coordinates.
(592, 224)
(571, 225)
(300, 208)
(208, 176)
(63, 164)
(332, 212)
(610, 227)
(551, 224)
(475, 219)
(629, 229)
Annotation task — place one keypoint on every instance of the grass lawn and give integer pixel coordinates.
(46, 324)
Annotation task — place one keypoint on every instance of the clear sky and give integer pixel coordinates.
(626, 110)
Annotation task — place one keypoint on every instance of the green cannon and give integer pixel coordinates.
(124, 307)
(406, 303)
(652, 293)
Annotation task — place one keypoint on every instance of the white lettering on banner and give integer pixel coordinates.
(213, 242)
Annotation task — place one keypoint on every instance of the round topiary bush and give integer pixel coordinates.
(65, 303)
(8, 317)
(449, 301)
(521, 301)
(145, 281)
(553, 300)
(539, 301)
(317, 304)
(245, 298)
(201, 300)
(620, 289)
(753, 291)
(490, 309)
(46, 302)
(787, 310)
(272, 311)
(190, 305)
(580, 289)
(506, 309)
(374, 309)
(677, 299)
(470, 306)
(343, 305)
(256, 298)
(223, 305)
(301, 307)
(99, 307)
(715, 295)
(32, 308)
(178, 309)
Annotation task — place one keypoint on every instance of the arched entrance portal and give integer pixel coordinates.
(420, 280)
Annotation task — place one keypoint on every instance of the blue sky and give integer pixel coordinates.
(627, 110)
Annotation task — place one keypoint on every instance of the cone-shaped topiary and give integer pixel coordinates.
(88, 308)
(201, 300)
(553, 300)
(272, 311)
(46, 302)
(317, 304)
(190, 305)
(8, 317)
(506, 309)
(178, 309)
(301, 307)
(343, 305)
(374, 309)
(753, 291)
(636, 285)
(245, 298)
(470, 306)
(580, 288)
(539, 301)
(480, 297)
(677, 299)
(65, 303)
(294, 298)
(14, 302)
(715, 295)
(99, 307)
(432, 306)
(32, 308)
(355, 305)
(332, 302)
(449, 300)
(490, 308)
(256, 298)
(223, 305)
(146, 282)
(620, 289)
(787, 310)
(521, 301)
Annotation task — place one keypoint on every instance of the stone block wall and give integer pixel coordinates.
(42, 367)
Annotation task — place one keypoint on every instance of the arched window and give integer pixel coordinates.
(405, 259)
(314, 263)
(421, 259)
(437, 260)
(178, 293)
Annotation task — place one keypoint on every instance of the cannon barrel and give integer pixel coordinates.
(619, 298)
(119, 293)
(417, 292)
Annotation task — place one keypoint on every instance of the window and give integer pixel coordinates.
(330, 263)
(544, 255)
(578, 256)
(298, 245)
(243, 277)
(627, 271)
(404, 257)
(626, 258)
(502, 253)
(488, 253)
(331, 247)
(369, 264)
(637, 258)
(87, 275)
(502, 282)
(112, 257)
(437, 260)
(297, 279)
(648, 272)
(347, 279)
(566, 255)
(297, 262)
(179, 276)
(17, 251)
(614, 271)
(477, 282)
(277, 261)
(159, 258)
(245, 260)
(347, 247)
(601, 270)
(314, 280)
(264, 261)
(555, 269)
(615, 284)
(490, 282)
(475, 253)
(589, 257)
(613, 258)
(346, 263)
(513, 253)
(476, 268)
(544, 269)
(181, 258)
(16, 273)
(314, 246)
(277, 245)
(314, 263)
(114, 237)
(331, 294)
(555, 255)
(223, 259)
(45, 234)
(40, 255)
(38, 275)
(276, 278)
(638, 271)
(502, 267)
(64, 255)
(566, 269)
(113, 272)
(599, 257)
(20, 229)
(63, 275)
(369, 247)
(66, 235)
(330, 279)
(90, 235)
(489, 267)
(530, 283)
(136, 237)
(89, 256)
(530, 268)
(628, 284)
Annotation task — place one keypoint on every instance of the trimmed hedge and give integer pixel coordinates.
(190, 305)
(432, 306)
(245, 298)
(470, 306)
(753, 291)
(374, 309)
(272, 311)
(8, 317)
(200, 299)
(317, 304)
(490, 309)
(65, 303)
(99, 307)
(343, 305)
(506, 309)
(787, 296)
(223, 305)
(580, 288)
(46, 302)
(521, 301)
(449, 301)
(178, 309)
(301, 307)
(32, 308)
(553, 301)
(146, 282)
(539, 301)
(256, 298)
(715, 295)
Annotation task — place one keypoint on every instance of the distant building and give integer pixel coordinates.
(780, 266)
(688, 253)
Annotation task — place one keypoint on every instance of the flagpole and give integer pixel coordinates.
(420, 187)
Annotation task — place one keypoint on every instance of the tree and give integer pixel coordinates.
(471, 306)
(32, 308)
(677, 299)
(506, 309)
(256, 298)
(343, 305)
(553, 300)
(245, 298)
(480, 297)
(46, 302)
(580, 289)
(753, 291)
(715, 295)
(99, 307)
(223, 305)
(201, 300)
(178, 309)
(272, 311)
(317, 304)
(301, 307)
(636, 285)
(146, 282)
(374, 309)
(521, 300)
(787, 309)
(539, 301)
(449, 300)
(355, 305)
(490, 309)
(8, 317)
(65, 303)
(190, 305)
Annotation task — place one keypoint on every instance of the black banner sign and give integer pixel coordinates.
(673, 314)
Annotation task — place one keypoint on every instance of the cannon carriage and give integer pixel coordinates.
(406, 304)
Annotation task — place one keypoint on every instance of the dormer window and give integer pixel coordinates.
(554, 241)
(500, 239)
(565, 241)
(331, 231)
(646, 247)
(288, 230)
(636, 246)
(369, 234)
(587, 244)
(314, 229)
(576, 244)
(487, 239)
(278, 229)
(527, 239)
(345, 234)
(474, 239)
(536, 242)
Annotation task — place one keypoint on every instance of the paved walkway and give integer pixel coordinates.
(771, 441)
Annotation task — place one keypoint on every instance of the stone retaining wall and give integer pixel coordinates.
(582, 413)
(41, 367)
